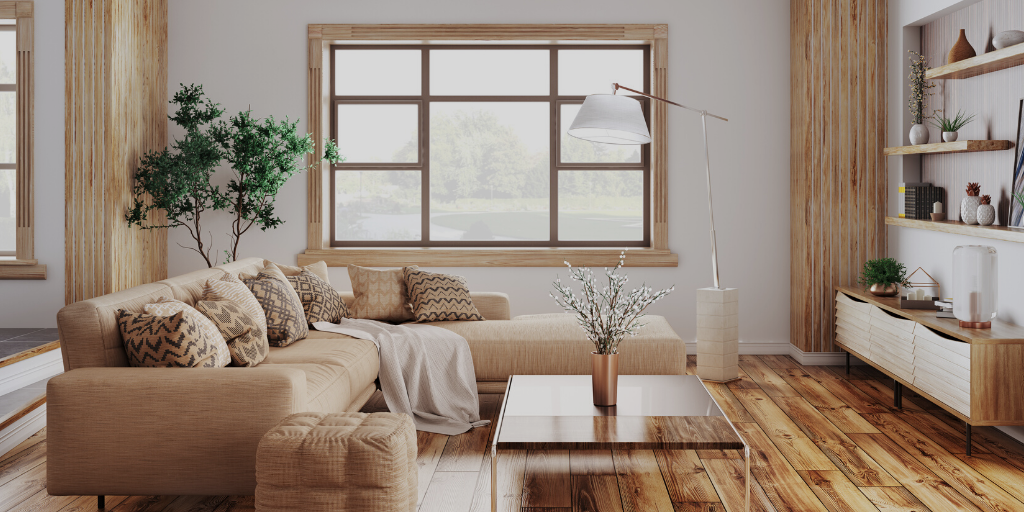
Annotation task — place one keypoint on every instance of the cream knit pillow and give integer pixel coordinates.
(231, 288)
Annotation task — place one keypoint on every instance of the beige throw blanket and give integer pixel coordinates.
(425, 372)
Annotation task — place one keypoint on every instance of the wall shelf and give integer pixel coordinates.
(960, 146)
(984, 63)
(959, 228)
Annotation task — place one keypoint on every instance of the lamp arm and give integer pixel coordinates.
(616, 87)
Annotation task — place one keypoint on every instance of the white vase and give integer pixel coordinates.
(919, 134)
(986, 214)
(969, 209)
(949, 136)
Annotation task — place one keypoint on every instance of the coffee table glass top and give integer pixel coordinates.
(639, 395)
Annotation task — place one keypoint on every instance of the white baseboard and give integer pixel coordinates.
(756, 349)
(33, 369)
(22, 429)
(821, 358)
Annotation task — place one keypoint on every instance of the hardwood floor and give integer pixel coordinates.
(820, 440)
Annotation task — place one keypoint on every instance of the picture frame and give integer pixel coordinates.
(1015, 219)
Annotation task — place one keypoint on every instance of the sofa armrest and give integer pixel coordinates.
(492, 305)
(152, 431)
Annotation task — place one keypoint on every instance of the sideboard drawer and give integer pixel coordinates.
(898, 326)
(855, 304)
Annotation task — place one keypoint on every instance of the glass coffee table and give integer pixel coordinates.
(654, 412)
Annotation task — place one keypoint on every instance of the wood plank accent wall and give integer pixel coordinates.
(993, 97)
(838, 175)
(115, 111)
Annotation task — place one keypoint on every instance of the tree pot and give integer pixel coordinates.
(889, 290)
(919, 134)
(969, 209)
(605, 378)
(950, 136)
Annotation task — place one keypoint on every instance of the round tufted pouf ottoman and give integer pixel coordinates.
(338, 462)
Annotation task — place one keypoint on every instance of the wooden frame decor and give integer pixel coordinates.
(321, 37)
(24, 265)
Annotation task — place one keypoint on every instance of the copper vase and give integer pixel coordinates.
(605, 378)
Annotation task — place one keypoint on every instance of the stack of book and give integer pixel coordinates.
(919, 199)
(946, 310)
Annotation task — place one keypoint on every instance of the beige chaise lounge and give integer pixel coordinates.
(117, 430)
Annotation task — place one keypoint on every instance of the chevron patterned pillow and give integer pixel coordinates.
(286, 322)
(174, 341)
(231, 288)
(246, 342)
(439, 297)
(320, 301)
(168, 307)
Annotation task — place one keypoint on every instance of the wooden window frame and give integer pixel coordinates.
(653, 252)
(24, 265)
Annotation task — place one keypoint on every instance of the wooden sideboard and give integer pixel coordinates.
(975, 374)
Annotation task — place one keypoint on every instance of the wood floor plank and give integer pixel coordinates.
(88, 503)
(787, 436)
(195, 503)
(34, 439)
(829, 405)
(847, 457)
(728, 476)
(836, 491)
(641, 484)
(933, 491)
(727, 401)
(780, 482)
(547, 479)
(465, 452)
(952, 439)
(143, 504)
(894, 499)
(685, 477)
(844, 390)
(236, 504)
(857, 372)
(450, 491)
(699, 507)
(429, 447)
(691, 365)
(720, 454)
(591, 462)
(595, 493)
(744, 382)
(23, 487)
(766, 378)
(511, 477)
(28, 459)
(780, 361)
(997, 469)
(883, 394)
(43, 502)
(955, 472)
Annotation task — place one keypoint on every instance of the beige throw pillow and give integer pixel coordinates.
(246, 341)
(319, 268)
(380, 294)
(168, 307)
(286, 322)
(439, 297)
(174, 341)
(232, 289)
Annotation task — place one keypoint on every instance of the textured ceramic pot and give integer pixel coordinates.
(969, 209)
(605, 378)
(919, 134)
(961, 49)
(950, 136)
(884, 291)
(986, 214)
(1007, 38)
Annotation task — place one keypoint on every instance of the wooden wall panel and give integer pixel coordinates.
(115, 111)
(838, 175)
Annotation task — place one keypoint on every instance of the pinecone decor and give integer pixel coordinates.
(986, 212)
(986, 199)
(969, 205)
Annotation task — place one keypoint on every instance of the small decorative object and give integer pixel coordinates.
(961, 49)
(607, 314)
(924, 294)
(950, 127)
(986, 212)
(969, 205)
(884, 276)
(1007, 38)
(937, 213)
(975, 280)
(918, 92)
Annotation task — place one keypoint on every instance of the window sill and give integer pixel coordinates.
(21, 269)
(496, 257)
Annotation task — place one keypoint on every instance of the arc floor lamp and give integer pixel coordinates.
(614, 119)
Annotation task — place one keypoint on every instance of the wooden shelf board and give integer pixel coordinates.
(959, 228)
(984, 63)
(960, 146)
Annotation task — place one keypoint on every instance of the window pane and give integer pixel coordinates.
(601, 205)
(489, 171)
(377, 72)
(8, 240)
(490, 72)
(8, 127)
(377, 205)
(378, 133)
(582, 72)
(583, 151)
(8, 57)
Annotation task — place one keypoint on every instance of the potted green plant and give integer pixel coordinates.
(950, 126)
(883, 276)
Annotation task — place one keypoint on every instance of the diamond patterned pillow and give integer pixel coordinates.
(246, 341)
(379, 294)
(439, 297)
(174, 341)
(232, 289)
(168, 307)
(320, 301)
(286, 322)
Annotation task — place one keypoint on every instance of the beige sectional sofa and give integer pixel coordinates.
(113, 429)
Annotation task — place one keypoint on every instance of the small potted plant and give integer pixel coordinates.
(883, 276)
(950, 127)
(969, 205)
(986, 212)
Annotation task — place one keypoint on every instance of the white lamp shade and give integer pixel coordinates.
(611, 119)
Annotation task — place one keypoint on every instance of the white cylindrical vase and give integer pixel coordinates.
(975, 285)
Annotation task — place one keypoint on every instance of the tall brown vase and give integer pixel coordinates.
(961, 49)
(605, 378)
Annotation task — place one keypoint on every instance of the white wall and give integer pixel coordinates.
(730, 57)
(35, 303)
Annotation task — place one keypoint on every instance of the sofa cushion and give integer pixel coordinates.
(271, 271)
(380, 294)
(230, 288)
(175, 341)
(436, 297)
(246, 341)
(286, 323)
(168, 307)
(320, 301)
(337, 368)
(319, 269)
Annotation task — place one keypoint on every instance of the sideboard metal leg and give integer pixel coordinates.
(101, 502)
(897, 395)
(847, 363)
(968, 438)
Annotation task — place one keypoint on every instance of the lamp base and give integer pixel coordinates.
(718, 334)
(975, 325)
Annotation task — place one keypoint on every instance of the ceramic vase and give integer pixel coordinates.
(975, 285)
(605, 378)
(961, 49)
(889, 290)
(969, 209)
(950, 136)
(1007, 38)
(919, 134)
(986, 214)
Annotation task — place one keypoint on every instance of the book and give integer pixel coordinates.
(901, 202)
(919, 200)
